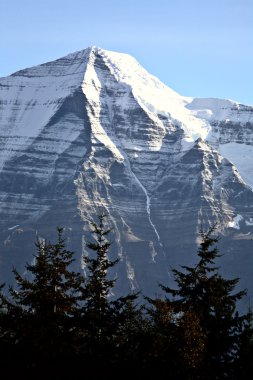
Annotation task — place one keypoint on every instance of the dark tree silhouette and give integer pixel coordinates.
(202, 291)
(40, 308)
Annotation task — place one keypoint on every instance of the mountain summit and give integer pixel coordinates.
(94, 130)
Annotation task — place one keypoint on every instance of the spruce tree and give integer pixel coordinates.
(177, 340)
(41, 306)
(97, 312)
(98, 286)
(132, 337)
(114, 330)
(212, 298)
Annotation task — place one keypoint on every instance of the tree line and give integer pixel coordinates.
(59, 322)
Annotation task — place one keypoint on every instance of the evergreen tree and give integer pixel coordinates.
(54, 316)
(98, 286)
(244, 366)
(177, 340)
(41, 308)
(97, 312)
(112, 330)
(6, 348)
(205, 293)
(132, 337)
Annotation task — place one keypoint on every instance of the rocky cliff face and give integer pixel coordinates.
(94, 131)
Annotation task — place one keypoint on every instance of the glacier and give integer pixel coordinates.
(95, 131)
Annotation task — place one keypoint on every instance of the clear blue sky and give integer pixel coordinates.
(197, 47)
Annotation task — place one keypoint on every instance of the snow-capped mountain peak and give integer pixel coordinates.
(95, 130)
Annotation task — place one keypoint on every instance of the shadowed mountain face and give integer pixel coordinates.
(94, 131)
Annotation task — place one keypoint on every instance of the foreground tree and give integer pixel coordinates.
(133, 334)
(177, 339)
(97, 286)
(40, 309)
(56, 318)
(113, 328)
(202, 291)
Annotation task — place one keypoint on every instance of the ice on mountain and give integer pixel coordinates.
(235, 223)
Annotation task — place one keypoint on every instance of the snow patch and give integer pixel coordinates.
(91, 87)
(214, 109)
(131, 275)
(249, 222)
(148, 208)
(153, 96)
(13, 228)
(235, 222)
(32, 96)
(241, 155)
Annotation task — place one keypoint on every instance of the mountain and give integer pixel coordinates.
(95, 131)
